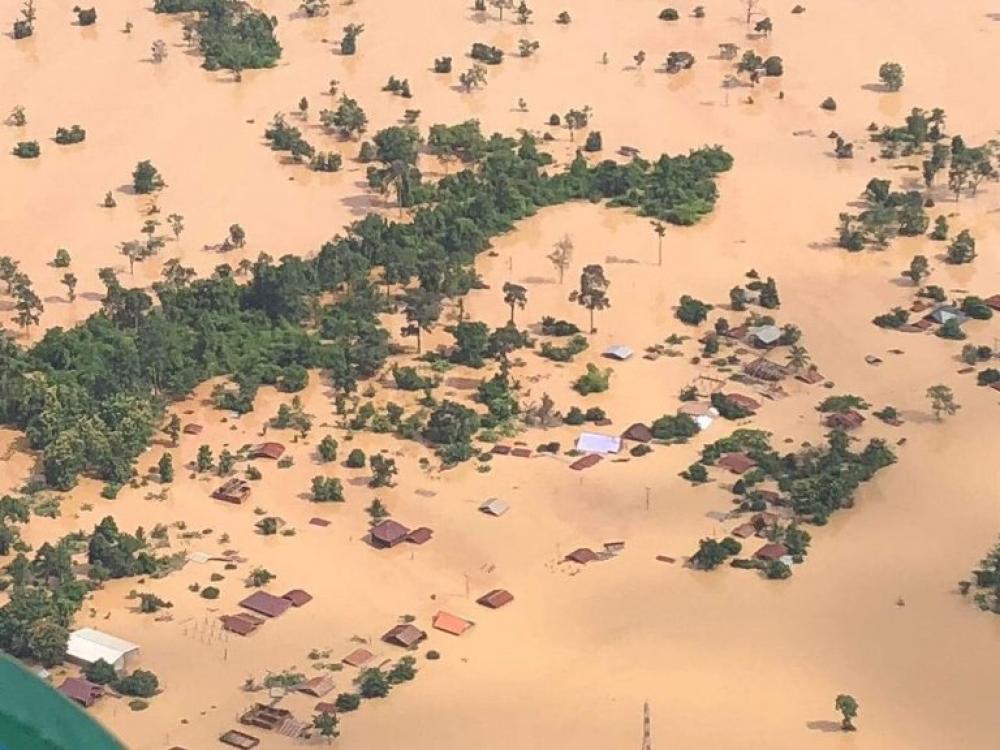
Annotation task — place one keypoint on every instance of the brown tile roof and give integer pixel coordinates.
(737, 463)
(406, 635)
(744, 530)
(496, 598)
(585, 462)
(993, 301)
(848, 420)
(638, 432)
(358, 657)
(521, 453)
(267, 450)
(266, 604)
(321, 522)
(771, 551)
(420, 536)
(298, 597)
(500, 450)
(233, 491)
(811, 376)
(744, 401)
(583, 555)
(450, 623)
(317, 686)
(80, 690)
(241, 624)
(324, 707)
(388, 533)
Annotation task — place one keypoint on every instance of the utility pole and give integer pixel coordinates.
(647, 735)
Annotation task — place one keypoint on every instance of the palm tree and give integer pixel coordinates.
(798, 358)
(661, 229)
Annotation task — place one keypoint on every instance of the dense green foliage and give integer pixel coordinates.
(231, 34)
(90, 397)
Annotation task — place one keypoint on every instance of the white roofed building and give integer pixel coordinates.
(87, 646)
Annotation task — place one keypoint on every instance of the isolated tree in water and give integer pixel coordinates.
(848, 708)
(501, 4)
(158, 51)
(146, 178)
(562, 255)
(514, 295)
(176, 222)
(891, 74)
(69, 280)
(798, 358)
(523, 13)
(661, 229)
(593, 291)
(942, 400)
(349, 42)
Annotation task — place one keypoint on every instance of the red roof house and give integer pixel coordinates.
(298, 597)
(82, 691)
(267, 450)
(771, 551)
(388, 533)
(737, 463)
(848, 420)
(266, 604)
(496, 598)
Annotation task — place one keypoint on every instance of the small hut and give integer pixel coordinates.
(496, 598)
(388, 533)
(406, 635)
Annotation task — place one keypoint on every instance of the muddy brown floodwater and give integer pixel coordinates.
(726, 659)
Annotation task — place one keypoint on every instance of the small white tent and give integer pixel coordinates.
(87, 645)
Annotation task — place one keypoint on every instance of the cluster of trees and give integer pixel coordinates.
(819, 479)
(90, 396)
(44, 590)
(231, 34)
(486, 54)
(28, 306)
(72, 134)
(887, 213)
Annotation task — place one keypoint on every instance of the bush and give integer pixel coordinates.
(669, 14)
(553, 327)
(695, 473)
(594, 142)
(773, 66)
(574, 346)
(554, 120)
(210, 592)
(140, 684)
(777, 570)
(988, 376)
(327, 490)
(692, 311)
(487, 54)
(674, 428)
(574, 416)
(72, 134)
(356, 459)
(829, 104)
(640, 450)
(85, 16)
(976, 307)
(347, 702)
(593, 381)
(146, 178)
(27, 150)
(408, 379)
(442, 65)
(100, 672)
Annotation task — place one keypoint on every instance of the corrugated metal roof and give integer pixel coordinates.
(593, 442)
(88, 645)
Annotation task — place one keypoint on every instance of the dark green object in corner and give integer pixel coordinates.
(33, 716)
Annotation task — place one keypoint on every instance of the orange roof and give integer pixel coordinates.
(450, 623)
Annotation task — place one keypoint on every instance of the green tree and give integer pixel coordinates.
(146, 178)
(205, 460)
(514, 295)
(349, 42)
(327, 490)
(165, 468)
(942, 400)
(173, 429)
(422, 310)
(69, 280)
(383, 470)
(919, 269)
(327, 725)
(593, 291)
(373, 683)
(328, 448)
(661, 230)
(576, 119)
(140, 684)
(847, 705)
(891, 74)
